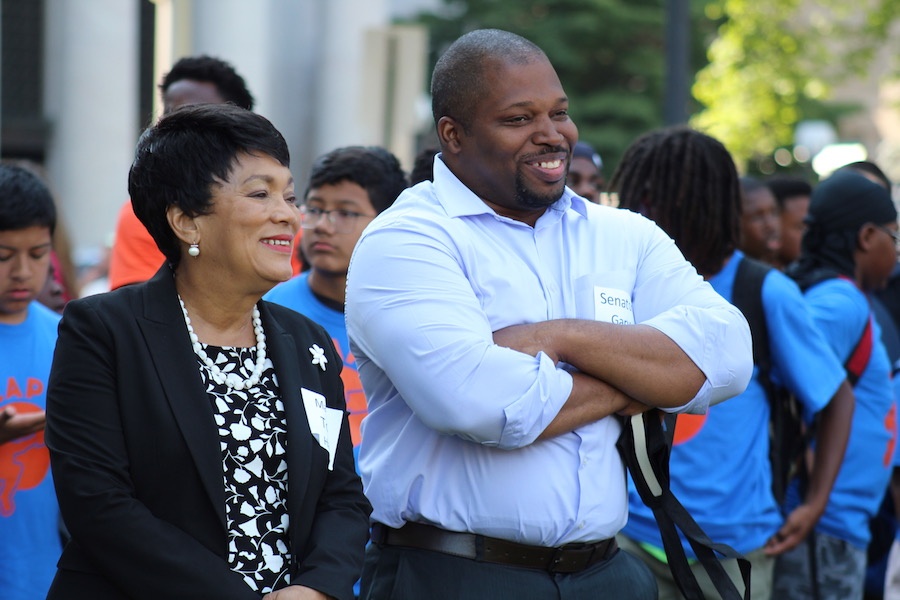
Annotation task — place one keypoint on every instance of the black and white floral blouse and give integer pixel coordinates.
(253, 438)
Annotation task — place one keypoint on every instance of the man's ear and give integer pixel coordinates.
(184, 226)
(449, 132)
(865, 236)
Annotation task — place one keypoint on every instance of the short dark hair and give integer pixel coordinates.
(178, 160)
(458, 79)
(231, 86)
(788, 187)
(686, 181)
(25, 201)
(750, 184)
(370, 167)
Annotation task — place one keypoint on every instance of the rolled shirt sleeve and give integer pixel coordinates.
(717, 339)
(670, 296)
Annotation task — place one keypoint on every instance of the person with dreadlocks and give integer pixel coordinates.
(720, 470)
(849, 248)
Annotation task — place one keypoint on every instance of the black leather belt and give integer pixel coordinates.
(570, 558)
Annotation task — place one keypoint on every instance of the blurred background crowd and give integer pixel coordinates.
(795, 91)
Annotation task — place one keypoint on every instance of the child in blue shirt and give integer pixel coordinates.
(848, 249)
(348, 187)
(30, 538)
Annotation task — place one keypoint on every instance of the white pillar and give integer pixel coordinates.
(341, 96)
(268, 42)
(90, 100)
(327, 73)
(394, 81)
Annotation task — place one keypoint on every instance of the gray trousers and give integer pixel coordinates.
(396, 573)
(840, 569)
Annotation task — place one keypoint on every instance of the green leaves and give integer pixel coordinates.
(762, 65)
(774, 61)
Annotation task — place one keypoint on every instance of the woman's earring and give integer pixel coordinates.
(194, 250)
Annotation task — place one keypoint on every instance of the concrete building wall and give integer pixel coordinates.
(317, 69)
(270, 43)
(91, 103)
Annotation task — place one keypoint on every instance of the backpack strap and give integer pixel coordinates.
(787, 440)
(645, 446)
(858, 360)
(747, 297)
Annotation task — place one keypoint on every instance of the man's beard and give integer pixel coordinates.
(527, 198)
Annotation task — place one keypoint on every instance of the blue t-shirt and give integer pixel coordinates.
(719, 467)
(841, 311)
(30, 542)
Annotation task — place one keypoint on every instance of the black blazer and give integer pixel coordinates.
(137, 465)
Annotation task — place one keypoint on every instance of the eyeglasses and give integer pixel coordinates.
(892, 233)
(343, 221)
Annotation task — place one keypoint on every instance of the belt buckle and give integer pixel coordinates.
(556, 560)
(571, 558)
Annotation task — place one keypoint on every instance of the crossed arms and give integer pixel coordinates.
(428, 323)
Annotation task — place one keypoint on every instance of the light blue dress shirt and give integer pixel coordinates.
(453, 418)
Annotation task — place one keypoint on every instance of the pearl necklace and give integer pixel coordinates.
(232, 380)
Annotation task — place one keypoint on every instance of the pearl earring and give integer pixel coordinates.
(194, 250)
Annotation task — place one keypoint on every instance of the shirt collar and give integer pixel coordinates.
(459, 201)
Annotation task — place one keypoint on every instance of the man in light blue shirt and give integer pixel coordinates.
(499, 323)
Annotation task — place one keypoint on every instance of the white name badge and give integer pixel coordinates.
(612, 306)
(324, 422)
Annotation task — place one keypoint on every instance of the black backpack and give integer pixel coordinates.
(788, 438)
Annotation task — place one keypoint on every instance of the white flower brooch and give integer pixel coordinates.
(318, 356)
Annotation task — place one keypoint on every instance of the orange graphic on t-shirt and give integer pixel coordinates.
(890, 423)
(686, 427)
(33, 387)
(353, 393)
(24, 462)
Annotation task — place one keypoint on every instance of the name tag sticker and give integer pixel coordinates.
(612, 306)
(324, 422)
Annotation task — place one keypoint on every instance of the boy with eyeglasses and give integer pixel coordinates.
(348, 188)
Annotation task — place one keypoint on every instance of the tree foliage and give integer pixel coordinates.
(609, 55)
(761, 65)
(775, 62)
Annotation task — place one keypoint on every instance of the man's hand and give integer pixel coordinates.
(296, 592)
(794, 530)
(14, 425)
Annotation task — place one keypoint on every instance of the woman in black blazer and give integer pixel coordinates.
(198, 436)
